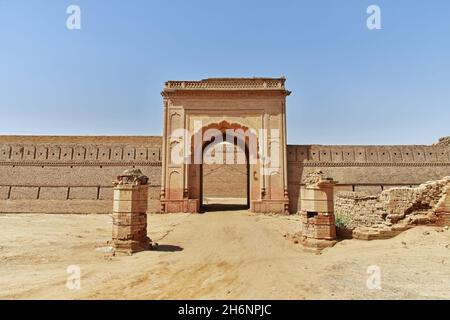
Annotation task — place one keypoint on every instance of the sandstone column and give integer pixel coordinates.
(129, 212)
(317, 215)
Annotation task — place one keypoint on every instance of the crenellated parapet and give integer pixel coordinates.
(67, 151)
(329, 155)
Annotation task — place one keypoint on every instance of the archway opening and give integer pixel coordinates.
(225, 176)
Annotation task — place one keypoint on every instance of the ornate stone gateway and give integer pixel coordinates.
(247, 112)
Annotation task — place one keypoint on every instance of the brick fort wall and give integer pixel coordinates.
(74, 174)
(69, 174)
(369, 169)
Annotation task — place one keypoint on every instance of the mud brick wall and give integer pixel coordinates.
(408, 206)
(69, 174)
(225, 180)
(369, 169)
(357, 209)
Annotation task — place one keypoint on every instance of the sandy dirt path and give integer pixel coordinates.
(223, 255)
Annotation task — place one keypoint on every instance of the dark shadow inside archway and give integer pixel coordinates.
(224, 186)
(223, 207)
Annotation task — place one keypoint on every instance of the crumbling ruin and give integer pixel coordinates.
(443, 142)
(394, 210)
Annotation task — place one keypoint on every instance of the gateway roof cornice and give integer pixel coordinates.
(230, 84)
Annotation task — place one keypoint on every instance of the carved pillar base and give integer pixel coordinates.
(318, 230)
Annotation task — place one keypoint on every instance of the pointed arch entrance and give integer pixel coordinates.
(225, 179)
(198, 114)
(225, 146)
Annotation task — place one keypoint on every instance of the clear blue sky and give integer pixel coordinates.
(350, 85)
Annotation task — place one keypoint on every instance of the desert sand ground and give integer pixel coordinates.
(224, 255)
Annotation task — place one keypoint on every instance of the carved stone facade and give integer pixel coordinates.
(249, 105)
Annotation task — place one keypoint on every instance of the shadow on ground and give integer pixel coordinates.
(167, 248)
